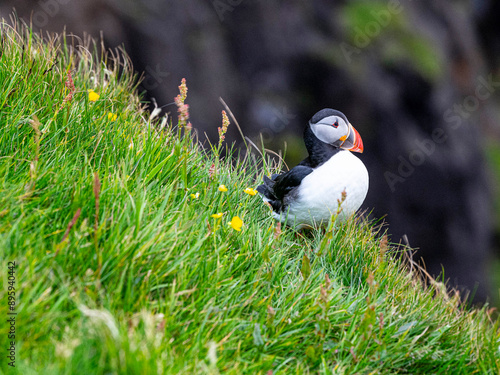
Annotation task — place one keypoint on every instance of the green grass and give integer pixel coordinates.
(145, 281)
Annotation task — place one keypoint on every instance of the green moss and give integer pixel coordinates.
(383, 28)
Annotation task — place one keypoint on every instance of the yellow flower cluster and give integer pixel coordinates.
(236, 222)
(250, 191)
(93, 96)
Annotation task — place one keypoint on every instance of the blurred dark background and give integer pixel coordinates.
(420, 81)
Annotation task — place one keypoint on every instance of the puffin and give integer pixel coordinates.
(330, 181)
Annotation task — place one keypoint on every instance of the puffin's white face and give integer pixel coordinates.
(330, 129)
(335, 131)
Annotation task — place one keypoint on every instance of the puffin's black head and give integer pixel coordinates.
(332, 127)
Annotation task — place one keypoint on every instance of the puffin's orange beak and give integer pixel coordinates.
(358, 142)
(353, 141)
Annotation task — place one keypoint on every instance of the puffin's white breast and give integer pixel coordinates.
(318, 194)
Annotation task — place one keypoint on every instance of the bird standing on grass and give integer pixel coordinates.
(310, 193)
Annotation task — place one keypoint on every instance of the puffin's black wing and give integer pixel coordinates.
(289, 180)
(277, 188)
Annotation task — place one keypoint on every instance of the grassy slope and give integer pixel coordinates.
(160, 286)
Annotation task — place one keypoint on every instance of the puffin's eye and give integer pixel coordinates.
(336, 124)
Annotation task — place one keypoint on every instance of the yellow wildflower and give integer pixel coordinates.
(250, 191)
(93, 96)
(217, 216)
(195, 196)
(222, 188)
(112, 116)
(236, 223)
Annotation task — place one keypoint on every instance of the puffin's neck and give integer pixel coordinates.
(319, 152)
